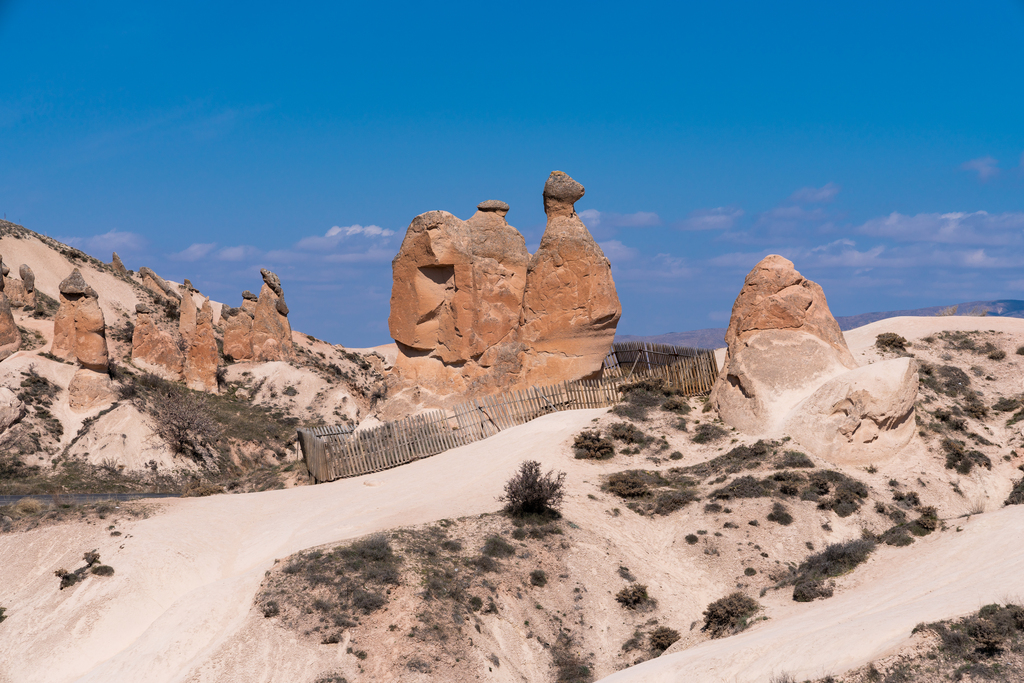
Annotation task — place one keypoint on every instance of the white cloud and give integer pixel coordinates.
(194, 252)
(719, 218)
(979, 227)
(617, 252)
(986, 167)
(239, 253)
(108, 242)
(606, 219)
(815, 195)
(336, 235)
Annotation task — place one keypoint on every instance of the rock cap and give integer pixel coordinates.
(74, 284)
(493, 205)
(272, 281)
(561, 192)
(249, 296)
(143, 308)
(28, 278)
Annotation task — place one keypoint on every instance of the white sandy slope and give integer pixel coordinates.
(185, 578)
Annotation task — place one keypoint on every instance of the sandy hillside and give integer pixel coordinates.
(180, 605)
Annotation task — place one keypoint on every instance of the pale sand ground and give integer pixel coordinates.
(179, 607)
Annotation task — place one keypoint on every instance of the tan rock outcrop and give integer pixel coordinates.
(862, 417)
(201, 360)
(89, 389)
(10, 335)
(187, 313)
(271, 335)
(12, 409)
(79, 332)
(153, 349)
(237, 333)
(158, 285)
(570, 305)
(21, 293)
(783, 344)
(118, 267)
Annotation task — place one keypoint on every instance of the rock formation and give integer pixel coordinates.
(271, 334)
(12, 409)
(153, 349)
(237, 333)
(157, 284)
(570, 306)
(788, 369)
(201, 360)
(861, 417)
(187, 313)
(21, 292)
(79, 332)
(10, 335)
(79, 335)
(118, 267)
(470, 310)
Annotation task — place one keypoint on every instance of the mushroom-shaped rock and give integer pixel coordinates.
(862, 417)
(201, 360)
(570, 305)
(79, 331)
(154, 349)
(28, 278)
(783, 344)
(271, 335)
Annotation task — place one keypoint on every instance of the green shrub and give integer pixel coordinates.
(749, 571)
(809, 577)
(662, 638)
(997, 354)
(628, 484)
(796, 459)
(3, 614)
(745, 487)
(1016, 496)
(590, 445)
(691, 539)
(496, 546)
(669, 501)
(538, 578)
(636, 404)
(1006, 404)
(729, 615)
(102, 570)
(676, 404)
(530, 492)
(961, 459)
(707, 432)
(627, 433)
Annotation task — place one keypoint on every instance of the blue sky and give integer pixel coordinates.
(878, 145)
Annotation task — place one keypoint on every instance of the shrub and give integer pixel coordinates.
(997, 354)
(1020, 350)
(570, 667)
(2, 613)
(102, 570)
(590, 445)
(627, 433)
(538, 578)
(637, 402)
(662, 638)
(780, 515)
(1005, 405)
(796, 459)
(729, 615)
(847, 493)
(496, 546)
(1016, 496)
(271, 609)
(28, 506)
(837, 558)
(691, 539)
(634, 596)
(183, 419)
(676, 404)
(530, 492)
(749, 571)
(809, 590)
(707, 432)
(670, 501)
(890, 341)
(368, 602)
(745, 487)
(628, 484)
(961, 459)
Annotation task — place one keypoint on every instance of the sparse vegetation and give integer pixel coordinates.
(780, 515)
(590, 445)
(635, 597)
(961, 459)
(529, 492)
(662, 638)
(890, 341)
(707, 432)
(729, 615)
(809, 578)
(627, 433)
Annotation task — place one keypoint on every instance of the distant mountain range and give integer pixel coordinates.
(714, 337)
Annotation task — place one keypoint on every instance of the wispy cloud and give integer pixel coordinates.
(194, 252)
(617, 252)
(815, 195)
(718, 218)
(607, 219)
(108, 242)
(986, 167)
(336, 235)
(978, 227)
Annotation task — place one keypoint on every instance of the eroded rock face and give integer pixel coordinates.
(154, 349)
(12, 409)
(10, 336)
(237, 333)
(79, 332)
(89, 389)
(456, 297)
(570, 306)
(118, 266)
(187, 313)
(783, 344)
(271, 334)
(471, 310)
(201, 360)
(862, 417)
(157, 284)
(21, 293)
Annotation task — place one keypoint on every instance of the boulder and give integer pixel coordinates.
(783, 344)
(79, 332)
(862, 417)
(237, 333)
(201, 360)
(12, 409)
(570, 305)
(187, 312)
(89, 389)
(271, 335)
(22, 292)
(10, 335)
(153, 349)
(249, 301)
(456, 298)
(28, 278)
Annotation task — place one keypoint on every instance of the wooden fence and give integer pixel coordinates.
(643, 356)
(335, 452)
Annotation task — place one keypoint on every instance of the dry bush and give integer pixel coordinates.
(183, 420)
(707, 432)
(808, 579)
(890, 341)
(590, 445)
(729, 615)
(662, 638)
(635, 596)
(529, 492)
